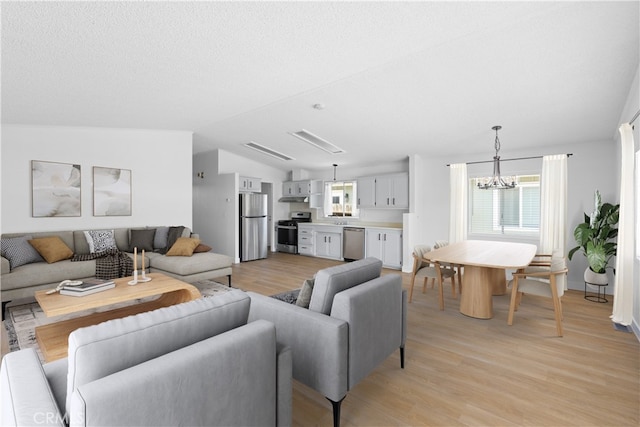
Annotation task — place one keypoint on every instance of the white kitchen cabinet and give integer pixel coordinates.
(386, 245)
(289, 188)
(367, 192)
(392, 191)
(384, 191)
(328, 244)
(301, 188)
(248, 184)
(305, 240)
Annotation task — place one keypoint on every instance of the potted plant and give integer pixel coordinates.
(596, 237)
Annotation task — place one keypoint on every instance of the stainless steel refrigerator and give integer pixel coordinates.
(253, 226)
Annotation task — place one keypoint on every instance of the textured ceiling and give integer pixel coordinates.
(396, 78)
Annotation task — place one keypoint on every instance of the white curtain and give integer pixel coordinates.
(553, 204)
(458, 186)
(623, 292)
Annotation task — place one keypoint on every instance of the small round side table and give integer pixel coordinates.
(600, 296)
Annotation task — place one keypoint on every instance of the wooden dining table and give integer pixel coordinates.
(485, 264)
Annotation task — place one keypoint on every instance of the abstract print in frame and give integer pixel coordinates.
(55, 189)
(111, 191)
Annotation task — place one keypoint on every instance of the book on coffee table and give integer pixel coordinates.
(89, 286)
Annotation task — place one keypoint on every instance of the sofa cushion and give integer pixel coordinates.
(19, 252)
(184, 246)
(142, 239)
(41, 273)
(160, 239)
(197, 263)
(52, 249)
(336, 279)
(101, 350)
(6, 267)
(100, 240)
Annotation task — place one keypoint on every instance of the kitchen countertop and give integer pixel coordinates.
(355, 225)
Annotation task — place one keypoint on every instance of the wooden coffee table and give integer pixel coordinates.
(53, 338)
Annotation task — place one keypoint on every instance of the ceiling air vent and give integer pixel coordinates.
(315, 140)
(267, 151)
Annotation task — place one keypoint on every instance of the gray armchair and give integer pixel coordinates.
(199, 364)
(356, 319)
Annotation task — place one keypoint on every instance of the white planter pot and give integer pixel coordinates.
(595, 278)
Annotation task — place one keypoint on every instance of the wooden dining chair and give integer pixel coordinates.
(540, 262)
(427, 269)
(547, 283)
(457, 267)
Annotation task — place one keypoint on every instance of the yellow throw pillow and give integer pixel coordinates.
(183, 246)
(52, 249)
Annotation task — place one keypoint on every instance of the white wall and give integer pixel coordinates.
(591, 167)
(216, 202)
(215, 206)
(160, 164)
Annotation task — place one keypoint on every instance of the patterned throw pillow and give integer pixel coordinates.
(19, 252)
(100, 240)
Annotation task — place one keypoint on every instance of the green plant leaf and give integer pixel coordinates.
(573, 251)
(582, 234)
(596, 257)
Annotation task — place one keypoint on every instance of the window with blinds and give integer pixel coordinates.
(509, 212)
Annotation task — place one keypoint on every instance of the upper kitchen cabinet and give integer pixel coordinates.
(301, 188)
(384, 191)
(248, 184)
(367, 192)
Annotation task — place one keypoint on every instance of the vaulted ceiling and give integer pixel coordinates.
(391, 78)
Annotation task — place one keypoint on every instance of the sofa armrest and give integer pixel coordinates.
(375, 312)
(228, 379)
(319, 343)
(26, 396)
(5, 267)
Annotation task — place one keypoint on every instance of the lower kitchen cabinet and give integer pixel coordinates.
(386, 245)
(305, 240)
(328, 245)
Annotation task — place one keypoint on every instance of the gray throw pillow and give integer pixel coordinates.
(19, 252)
(142, 239)
(160, 239)
(172, 236)
(304, 297)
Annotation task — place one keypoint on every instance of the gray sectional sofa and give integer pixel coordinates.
(22, 281)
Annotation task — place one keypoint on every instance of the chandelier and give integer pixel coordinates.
(496, 182)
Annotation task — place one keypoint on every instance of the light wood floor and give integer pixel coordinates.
(464, 371)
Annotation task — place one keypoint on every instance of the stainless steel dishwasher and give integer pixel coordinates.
(353, 243)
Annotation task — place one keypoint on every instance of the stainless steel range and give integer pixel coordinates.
(287, 232)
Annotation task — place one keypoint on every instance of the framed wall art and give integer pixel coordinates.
(55, 189)
(111, 191)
